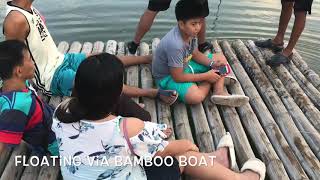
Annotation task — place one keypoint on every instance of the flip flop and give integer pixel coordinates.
(269, 44)
(226, 141)
(255, 165)
(230, 100)
(167, 93)
(278, 59)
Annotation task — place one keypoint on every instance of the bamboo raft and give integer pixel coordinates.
(280, 125)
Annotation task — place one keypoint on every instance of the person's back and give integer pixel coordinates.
(23, 115)
(39, 42)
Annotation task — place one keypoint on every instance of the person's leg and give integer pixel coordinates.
(146, 21)
(218, 88)
(128, 108)
(151, 93)
(286, 12)
(299, 24)
(135, 60)
(144, 25)
(213, 169)
(196, 94)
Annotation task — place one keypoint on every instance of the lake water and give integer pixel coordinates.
(92, 20)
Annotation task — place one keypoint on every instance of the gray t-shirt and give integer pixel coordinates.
(172, 51)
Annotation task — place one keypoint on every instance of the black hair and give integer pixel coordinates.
(97, 89)
(189, 9)
(11, 56)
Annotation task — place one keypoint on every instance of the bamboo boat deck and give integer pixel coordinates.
(280, 125)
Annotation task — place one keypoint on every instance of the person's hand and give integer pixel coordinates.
(194, 148)
(219, 59)
(212, 76)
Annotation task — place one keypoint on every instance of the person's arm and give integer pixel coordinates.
(2, 146)
(218, 58)
(15, 26)
(177, 147)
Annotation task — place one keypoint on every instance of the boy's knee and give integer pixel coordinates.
(195, 98)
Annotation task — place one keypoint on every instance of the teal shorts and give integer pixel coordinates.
(167, 83)
(63, 78)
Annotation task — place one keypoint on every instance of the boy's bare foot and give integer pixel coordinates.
(168, 132)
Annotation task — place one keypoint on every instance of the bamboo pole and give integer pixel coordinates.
(307, 87)
(296, 141)
(297, 93)
(97, 47)
(146, 83)
(290, 162)
(87, 48)
(4, 157)
(31, 172)
(14, 169)
(202, 130)
(50, 172)
(312, 76)
(181, 122)
(306, 128)
(111, 47)
(275, 168)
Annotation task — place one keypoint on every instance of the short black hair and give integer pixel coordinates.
(98, 84)
(189, 9)
(11, 56)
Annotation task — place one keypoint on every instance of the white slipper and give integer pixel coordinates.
(230, 100)
(230, 80)
(226, 141)
(255, 165)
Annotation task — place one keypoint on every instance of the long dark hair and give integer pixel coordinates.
(97, 89)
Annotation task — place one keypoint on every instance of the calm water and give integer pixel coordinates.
(91, 20)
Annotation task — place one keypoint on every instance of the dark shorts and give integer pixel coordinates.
(163, 172)
(301, 5)
(162, 5)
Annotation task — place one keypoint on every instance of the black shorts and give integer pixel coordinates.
(163, 172)
(301, 5)
(162, 5)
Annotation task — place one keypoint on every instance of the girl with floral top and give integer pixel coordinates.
(92, 143)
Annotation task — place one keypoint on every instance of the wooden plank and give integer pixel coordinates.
(31, 172)
(4, 157)
(98, 47)
(291, 163)
(306, 128)
(146, 83)
(275, 168)
(13, 171)
(121, 49)
(301, 99)
(296, 141)
(202, 130)
(87, 48)
(312, 76)
(50, 172)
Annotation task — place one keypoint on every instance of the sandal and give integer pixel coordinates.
(278, 59)
(226, 141)
(170, 95)
(269, 44)
(255, 165)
